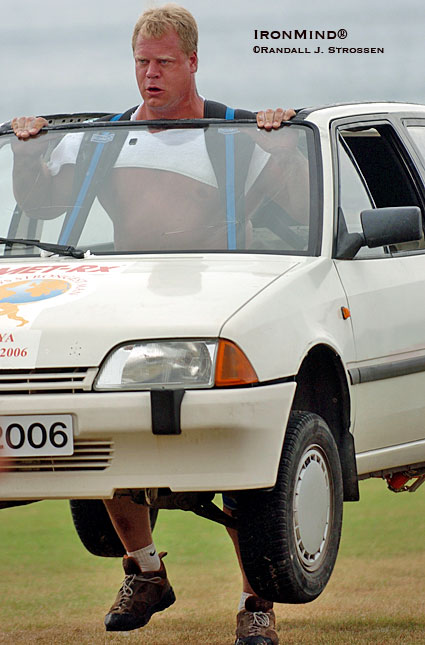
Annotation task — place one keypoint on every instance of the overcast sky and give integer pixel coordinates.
(58, 57)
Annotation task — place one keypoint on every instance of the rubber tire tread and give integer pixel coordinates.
(266, 537)
(95, 529)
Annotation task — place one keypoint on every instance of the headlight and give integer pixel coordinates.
(175, 364)
(159, 364)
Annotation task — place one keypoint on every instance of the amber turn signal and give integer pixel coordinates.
(232, 366)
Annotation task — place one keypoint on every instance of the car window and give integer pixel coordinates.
(97, 230)
(354, 197)
(384, 179)
(417, 133)
(122, 188)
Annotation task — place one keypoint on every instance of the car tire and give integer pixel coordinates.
(95, 529)
(289, 536)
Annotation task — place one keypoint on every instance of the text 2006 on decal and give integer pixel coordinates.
(16, 352)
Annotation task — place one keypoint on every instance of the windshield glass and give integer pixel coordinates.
(115, 188)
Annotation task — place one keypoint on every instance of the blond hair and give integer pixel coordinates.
(155, 22)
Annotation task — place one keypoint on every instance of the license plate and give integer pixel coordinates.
(45, 435)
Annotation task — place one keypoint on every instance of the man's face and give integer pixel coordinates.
(165, 74)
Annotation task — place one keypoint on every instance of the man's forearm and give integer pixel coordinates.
(286, 182)
(36, 191)
(294, 195)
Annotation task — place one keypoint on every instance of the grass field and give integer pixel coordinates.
(53, 592)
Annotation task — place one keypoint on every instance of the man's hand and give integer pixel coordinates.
(272, 119)
(28, 126)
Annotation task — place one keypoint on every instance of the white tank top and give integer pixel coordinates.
(180, 151)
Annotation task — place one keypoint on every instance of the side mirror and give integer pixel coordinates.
(381, 227)
(394, 225)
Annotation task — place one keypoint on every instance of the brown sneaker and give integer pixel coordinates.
(140, 596)
(256, 623)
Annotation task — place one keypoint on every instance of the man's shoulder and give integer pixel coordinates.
(124, 116)
(216, 110)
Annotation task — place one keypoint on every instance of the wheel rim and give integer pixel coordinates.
(312, 508)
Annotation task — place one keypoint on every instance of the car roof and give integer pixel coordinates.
(322, 115)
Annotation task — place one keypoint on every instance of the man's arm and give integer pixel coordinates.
(36, 191)
(287, 184)
(284, 180)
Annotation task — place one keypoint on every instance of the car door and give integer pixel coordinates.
(385, 288)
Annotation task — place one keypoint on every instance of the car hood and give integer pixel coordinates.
(60, 312)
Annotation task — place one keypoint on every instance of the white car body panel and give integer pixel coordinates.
(130, 300)
(388, 312)
(313, 293)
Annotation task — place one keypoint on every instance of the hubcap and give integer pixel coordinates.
(312, 511)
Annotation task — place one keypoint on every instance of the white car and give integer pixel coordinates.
(200, 307)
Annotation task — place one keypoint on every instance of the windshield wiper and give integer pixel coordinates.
(59, 249)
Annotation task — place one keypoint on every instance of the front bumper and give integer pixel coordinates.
(231, 439)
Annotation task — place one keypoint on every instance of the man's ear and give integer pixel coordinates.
(193, 62)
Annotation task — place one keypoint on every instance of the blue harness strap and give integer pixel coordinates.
(84, 188)
(230, 184)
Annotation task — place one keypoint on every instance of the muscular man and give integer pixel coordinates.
(163, 189)
(166, 61)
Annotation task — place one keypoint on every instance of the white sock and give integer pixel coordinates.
(244, 596)
(147, 558)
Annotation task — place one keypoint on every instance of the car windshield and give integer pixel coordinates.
(159, 187)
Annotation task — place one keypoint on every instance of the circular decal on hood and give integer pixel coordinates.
(27, 292)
